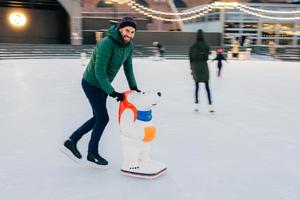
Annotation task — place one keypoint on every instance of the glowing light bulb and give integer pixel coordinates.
(17, 19)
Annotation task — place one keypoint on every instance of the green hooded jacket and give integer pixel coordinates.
(108, 56)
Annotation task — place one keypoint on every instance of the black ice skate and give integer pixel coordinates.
(97, 161)
(69, 148)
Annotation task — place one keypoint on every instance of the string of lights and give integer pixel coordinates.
(268, 17)
(133, 3)
(269, 11)
(169, 19)
(189, 15)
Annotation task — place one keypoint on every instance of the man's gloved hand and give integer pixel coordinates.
(117, 95)
(136, 89)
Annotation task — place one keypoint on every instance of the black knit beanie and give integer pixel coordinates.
(127, 21)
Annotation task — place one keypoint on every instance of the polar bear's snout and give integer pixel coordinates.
(144, 100)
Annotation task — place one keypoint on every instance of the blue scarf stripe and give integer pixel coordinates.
(145, 116)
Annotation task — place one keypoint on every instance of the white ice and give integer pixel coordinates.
(247, 150)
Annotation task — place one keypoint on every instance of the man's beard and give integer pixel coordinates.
(126, 41)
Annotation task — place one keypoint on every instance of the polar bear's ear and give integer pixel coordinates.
(126, 105)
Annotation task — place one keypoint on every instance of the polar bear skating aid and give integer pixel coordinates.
(137, 131)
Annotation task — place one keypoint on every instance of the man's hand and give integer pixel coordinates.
(117, 95)
(135, 89)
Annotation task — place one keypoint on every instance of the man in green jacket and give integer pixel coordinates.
(109, 55)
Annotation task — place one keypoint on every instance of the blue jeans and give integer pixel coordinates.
(97, 98)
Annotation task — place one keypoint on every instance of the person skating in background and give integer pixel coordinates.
(160, 49)
(198, 56)
(109, 55)
(235, 49)
(272, 48)
(219, 58)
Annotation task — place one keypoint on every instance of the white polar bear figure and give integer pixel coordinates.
(137, 131)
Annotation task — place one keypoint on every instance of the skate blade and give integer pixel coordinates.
(69, 154)
(144, 176)
(95, 166)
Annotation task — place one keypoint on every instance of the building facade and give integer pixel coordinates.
(233, 24)
(76, 21)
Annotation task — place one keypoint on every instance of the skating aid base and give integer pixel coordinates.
(141, 175)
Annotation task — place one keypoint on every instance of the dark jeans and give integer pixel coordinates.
(97, 123)
(219, 69)
(207, 91)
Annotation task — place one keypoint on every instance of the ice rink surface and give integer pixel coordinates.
(248, 150)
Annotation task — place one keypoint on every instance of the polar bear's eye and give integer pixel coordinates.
(143, 93)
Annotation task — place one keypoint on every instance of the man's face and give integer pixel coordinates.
(127, 33)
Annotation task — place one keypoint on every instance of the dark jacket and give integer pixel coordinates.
(219, 58)
(108, 56)
(198, 59)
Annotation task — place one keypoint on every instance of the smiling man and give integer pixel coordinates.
(109, 55)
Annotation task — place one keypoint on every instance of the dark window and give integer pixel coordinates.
(34, 4)
(213, 17)
(248, 31)
(249, 25)
(231, 31)
(255, 1)
(102, 4)
(180, 4)
(232, 25)
(142, 2)
(285, 42)
(268, 34)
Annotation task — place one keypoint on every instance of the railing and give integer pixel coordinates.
(282, 53)
(45, 51)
